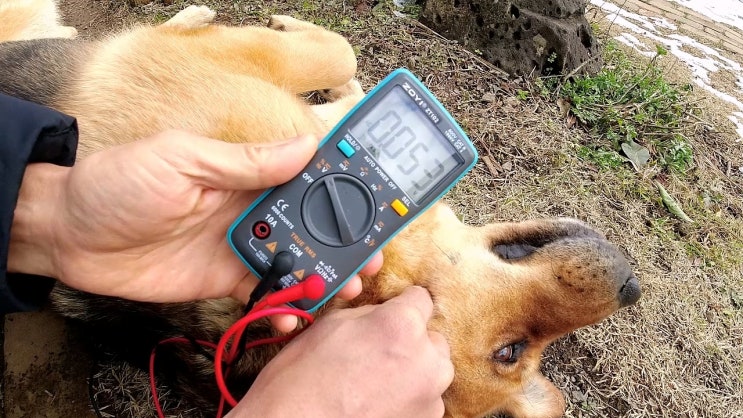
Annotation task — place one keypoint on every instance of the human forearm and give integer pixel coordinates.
(32, 238)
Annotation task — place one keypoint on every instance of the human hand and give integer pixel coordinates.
(147, 220)
(373, 361)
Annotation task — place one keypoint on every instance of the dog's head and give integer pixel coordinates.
(502, 293)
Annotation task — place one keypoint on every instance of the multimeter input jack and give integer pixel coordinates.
(261, 229)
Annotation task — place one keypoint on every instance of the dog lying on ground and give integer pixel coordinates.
(502, 291)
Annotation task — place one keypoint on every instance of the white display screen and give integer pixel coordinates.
(406, 144)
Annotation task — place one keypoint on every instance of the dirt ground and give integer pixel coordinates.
(45, 374)
(92, 18)
(676, 353)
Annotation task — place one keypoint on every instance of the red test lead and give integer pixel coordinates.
(313, 287)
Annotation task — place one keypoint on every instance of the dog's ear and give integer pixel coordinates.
(539, 398)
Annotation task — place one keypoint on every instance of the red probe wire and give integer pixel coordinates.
(236, 330)
(313, 287)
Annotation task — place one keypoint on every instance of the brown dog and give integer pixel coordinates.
(502, 292)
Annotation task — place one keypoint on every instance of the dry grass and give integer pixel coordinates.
(678, 351)
(119, 390)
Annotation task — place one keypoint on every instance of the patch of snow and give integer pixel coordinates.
(724, 11)
(737, 119)
(704, 59)
(635, 43)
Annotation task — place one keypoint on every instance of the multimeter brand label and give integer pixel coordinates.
(419, 101)
(394, 155)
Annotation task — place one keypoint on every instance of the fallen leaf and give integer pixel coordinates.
(564, 106)
(637, 154)
(673, 206)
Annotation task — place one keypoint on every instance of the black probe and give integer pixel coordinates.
(282, 265)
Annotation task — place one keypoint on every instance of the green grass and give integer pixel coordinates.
(627, 104)
(602, 157)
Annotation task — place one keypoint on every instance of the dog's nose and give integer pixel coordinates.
(630, 291)
(627, 285)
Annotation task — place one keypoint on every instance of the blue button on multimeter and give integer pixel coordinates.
(346, 148)
(407, 152)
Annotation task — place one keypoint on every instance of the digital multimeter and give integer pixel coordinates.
(395, 154)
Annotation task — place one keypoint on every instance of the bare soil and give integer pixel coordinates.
(93, 18)
(676, 353)
(46, 368)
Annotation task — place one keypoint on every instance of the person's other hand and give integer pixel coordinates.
(374, 361)
(147, 220)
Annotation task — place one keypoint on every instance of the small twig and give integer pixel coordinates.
(429, 30)
(491, 165)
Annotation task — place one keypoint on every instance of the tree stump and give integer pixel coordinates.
(522, 37)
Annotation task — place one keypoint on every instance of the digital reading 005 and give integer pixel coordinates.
(395, 154)
(406, 143)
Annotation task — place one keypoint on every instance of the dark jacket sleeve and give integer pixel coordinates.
(29, 133)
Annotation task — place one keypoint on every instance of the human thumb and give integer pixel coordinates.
(230, 166)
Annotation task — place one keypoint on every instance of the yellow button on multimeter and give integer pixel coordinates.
(399, 207)
(395, 154)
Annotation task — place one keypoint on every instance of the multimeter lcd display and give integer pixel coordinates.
(406, 144)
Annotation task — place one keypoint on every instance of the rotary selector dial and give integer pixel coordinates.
(338, 210)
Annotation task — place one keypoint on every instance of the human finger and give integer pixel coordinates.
(439, 409)
(287, 323)
(284, 323)
(439, 342)
(373, 265)
(416, 297)
(355, 285)
(230, 166)
(351, 289)
(445, 374)
(243, 288)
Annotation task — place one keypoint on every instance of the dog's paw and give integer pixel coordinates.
(192, 17)
(352, 88)
(288, 24)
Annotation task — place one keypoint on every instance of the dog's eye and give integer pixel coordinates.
(509, 353)
(513, 251)
(505, 354)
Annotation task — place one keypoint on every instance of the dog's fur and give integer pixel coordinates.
(502, 292)
(32, 19)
